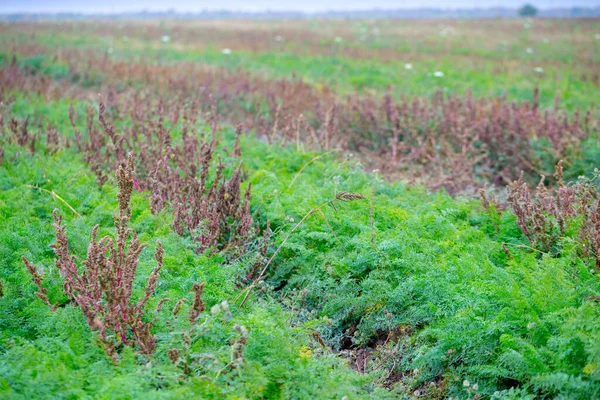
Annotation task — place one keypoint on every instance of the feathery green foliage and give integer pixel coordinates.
(357, 287)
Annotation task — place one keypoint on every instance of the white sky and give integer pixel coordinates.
(111, 6)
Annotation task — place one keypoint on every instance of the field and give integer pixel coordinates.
(301, 209)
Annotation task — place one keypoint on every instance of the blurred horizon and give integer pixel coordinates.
(307, 6)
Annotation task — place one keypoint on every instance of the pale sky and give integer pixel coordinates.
(112, 6)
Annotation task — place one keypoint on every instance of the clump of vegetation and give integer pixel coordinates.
(548, 215)
(213, 208)
(103, 291)
(217, 214)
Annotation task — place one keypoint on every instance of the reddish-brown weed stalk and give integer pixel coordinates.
(545, 215)
(104, 289)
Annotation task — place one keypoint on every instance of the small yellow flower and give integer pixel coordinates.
(305, 352)
(590, 369)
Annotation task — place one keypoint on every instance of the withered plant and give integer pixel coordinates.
(211, 207)
(214, 210)
(546, 214)
(104, 289)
